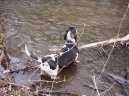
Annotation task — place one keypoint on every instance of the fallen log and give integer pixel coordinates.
(106, 42)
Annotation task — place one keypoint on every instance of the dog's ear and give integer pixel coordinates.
(73, 31)
(65, 35)
(75, 37)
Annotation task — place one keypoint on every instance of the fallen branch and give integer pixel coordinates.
(58, 94)
(47, 81)
(95, 83)
(106, 42)
(14, 84)
(19, 69)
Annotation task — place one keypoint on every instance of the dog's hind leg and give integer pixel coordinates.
(76, 61)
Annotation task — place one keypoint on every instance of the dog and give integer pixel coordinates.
(51, 64)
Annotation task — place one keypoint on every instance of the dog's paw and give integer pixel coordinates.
(77, 61)
(42, 73)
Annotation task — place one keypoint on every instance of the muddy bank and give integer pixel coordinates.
(42, 24)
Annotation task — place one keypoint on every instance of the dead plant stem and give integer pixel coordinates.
(118, 32)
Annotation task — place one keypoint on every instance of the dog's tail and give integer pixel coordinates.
(39, 59)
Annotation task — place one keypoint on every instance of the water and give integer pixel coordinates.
(42, 23)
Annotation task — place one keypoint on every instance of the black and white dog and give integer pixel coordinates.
(51, 64)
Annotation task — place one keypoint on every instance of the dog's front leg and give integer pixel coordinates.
(42, 72)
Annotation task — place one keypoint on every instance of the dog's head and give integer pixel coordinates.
(71, 35)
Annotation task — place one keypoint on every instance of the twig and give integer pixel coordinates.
(33, 74)
(107, 89)
(114, 40)
(81, 33)
(19, 69)
(95, 83)
(48, 81)
(1, 81)
(58, 93)
(122, 20)
(52, 86)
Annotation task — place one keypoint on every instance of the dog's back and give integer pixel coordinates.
(69, 54)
